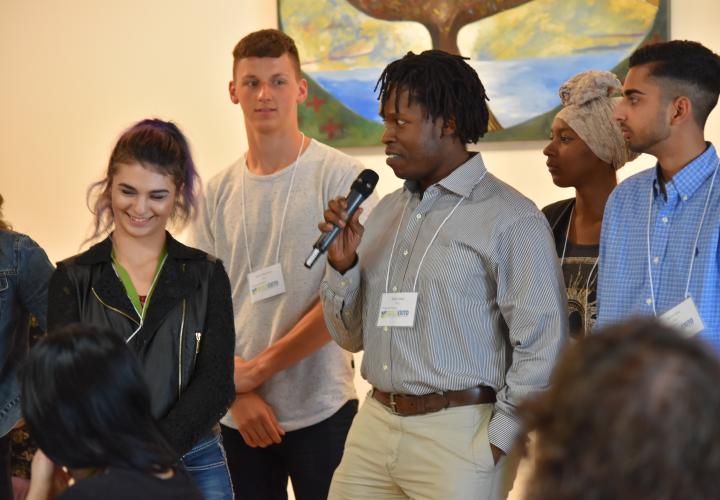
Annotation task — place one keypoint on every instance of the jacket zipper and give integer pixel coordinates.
(141, 314)
(198, 336)
(182, 328)
(114, 309)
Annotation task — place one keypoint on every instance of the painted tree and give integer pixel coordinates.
(442, 18)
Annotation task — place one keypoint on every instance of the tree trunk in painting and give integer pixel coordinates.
(442, 18)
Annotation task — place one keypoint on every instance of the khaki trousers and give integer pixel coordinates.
(437, 456)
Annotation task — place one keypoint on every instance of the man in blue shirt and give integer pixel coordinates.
(659, 241)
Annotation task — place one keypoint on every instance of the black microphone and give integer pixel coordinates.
(361, 189)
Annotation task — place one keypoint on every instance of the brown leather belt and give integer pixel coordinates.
(407, 405)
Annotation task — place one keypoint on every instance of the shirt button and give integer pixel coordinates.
(648, 301)
(343, 283)
(405, 252)
(684, 198)
(664, 219)
(656, 260)
(384, 367)
(418, 216)
(385, 328)
(394, 289)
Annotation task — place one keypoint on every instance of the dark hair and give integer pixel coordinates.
(86, 403)
(267, 43)
(445, 85)
(3, 223)
(633, 412)
(157, 145)
(684, 68)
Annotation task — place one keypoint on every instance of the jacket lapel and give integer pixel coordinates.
(107, 285)
(111, 292)
(174, 284)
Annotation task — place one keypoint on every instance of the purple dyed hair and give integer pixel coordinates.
(157, 145)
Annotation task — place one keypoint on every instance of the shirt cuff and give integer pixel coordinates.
(503, 431)
(342, 284)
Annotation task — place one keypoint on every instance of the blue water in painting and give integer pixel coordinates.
(518, 90)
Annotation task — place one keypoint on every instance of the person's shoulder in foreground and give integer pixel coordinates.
(123, 484)
(649, 382)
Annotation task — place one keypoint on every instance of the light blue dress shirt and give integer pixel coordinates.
(672, 212)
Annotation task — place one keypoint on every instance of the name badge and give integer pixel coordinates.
(684, 317)
(266, 282)
(398, 309)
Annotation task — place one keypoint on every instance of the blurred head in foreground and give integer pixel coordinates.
(86, 403)
(633, 412)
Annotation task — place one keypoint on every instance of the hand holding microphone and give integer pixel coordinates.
(342, 217)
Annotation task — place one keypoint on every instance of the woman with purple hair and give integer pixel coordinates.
(171, 303)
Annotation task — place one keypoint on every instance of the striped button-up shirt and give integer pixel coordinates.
(675, 210)
(491, 308)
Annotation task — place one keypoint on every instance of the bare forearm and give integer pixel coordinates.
(307, 336)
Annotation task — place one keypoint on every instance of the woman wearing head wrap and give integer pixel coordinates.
(586, 148)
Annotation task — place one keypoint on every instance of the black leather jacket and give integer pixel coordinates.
(186, 342)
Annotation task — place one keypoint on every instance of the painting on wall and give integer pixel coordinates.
(523, 50)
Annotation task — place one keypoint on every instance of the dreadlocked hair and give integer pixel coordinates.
(445, 85)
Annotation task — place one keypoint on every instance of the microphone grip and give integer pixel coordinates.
(354, 200)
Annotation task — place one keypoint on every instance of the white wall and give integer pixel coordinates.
(75, 73)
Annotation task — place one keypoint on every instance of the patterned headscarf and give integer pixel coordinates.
(588, 107)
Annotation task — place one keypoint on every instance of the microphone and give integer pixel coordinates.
(361, 189)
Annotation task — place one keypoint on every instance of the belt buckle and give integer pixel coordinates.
(393, 403)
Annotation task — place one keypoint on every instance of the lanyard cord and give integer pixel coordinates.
(287, 199)
(590, 274)
(432, 240)
(694, 247)
(567, 234)
(392, 249)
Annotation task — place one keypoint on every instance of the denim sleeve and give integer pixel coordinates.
(34, 271)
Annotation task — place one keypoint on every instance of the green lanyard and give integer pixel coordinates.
(130, 288)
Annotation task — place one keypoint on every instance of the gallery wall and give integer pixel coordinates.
(76, 73)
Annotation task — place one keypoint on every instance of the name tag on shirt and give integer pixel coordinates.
(266, 282)
(398, 309)
(684, 317)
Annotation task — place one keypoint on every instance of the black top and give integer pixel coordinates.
(579, 270)
(186, 342)
(124, 484)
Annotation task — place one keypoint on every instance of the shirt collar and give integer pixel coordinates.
(692, 175)
(460, 181)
